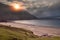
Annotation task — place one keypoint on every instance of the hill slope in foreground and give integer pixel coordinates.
(11, 33)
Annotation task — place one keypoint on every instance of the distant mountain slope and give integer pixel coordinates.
(7, 14)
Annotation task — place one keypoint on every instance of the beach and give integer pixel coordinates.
(37, 30)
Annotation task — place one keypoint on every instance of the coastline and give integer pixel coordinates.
(37, 30)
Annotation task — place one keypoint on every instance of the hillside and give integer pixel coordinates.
(7, 14)
(11, 33)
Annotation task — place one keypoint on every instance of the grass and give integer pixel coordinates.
(11, 33)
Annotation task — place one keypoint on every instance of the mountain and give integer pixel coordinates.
(7, 14)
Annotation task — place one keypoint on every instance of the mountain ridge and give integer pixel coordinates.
(7, 14)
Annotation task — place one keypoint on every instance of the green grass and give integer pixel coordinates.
(11, 33)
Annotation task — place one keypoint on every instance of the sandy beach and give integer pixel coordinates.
(37, 30)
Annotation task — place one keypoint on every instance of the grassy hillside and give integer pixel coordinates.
(10, 33)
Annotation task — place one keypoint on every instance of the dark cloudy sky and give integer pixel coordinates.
(36, 9)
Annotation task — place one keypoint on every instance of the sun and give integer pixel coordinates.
(17, 7)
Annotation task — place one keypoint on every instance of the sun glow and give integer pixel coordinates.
(17, 6)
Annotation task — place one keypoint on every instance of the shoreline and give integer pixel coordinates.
(37, 30)
(55, 27)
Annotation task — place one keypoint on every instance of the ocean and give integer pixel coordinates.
(48, 23)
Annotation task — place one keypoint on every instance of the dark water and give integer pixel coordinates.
(52, 23)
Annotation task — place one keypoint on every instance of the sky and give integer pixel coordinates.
(40, 8)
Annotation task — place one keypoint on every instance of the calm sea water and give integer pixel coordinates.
(53, 23)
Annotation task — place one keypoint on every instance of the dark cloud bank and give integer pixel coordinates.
(48, 11)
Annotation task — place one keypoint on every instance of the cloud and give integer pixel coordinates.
(47, 8)
(41, 8)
